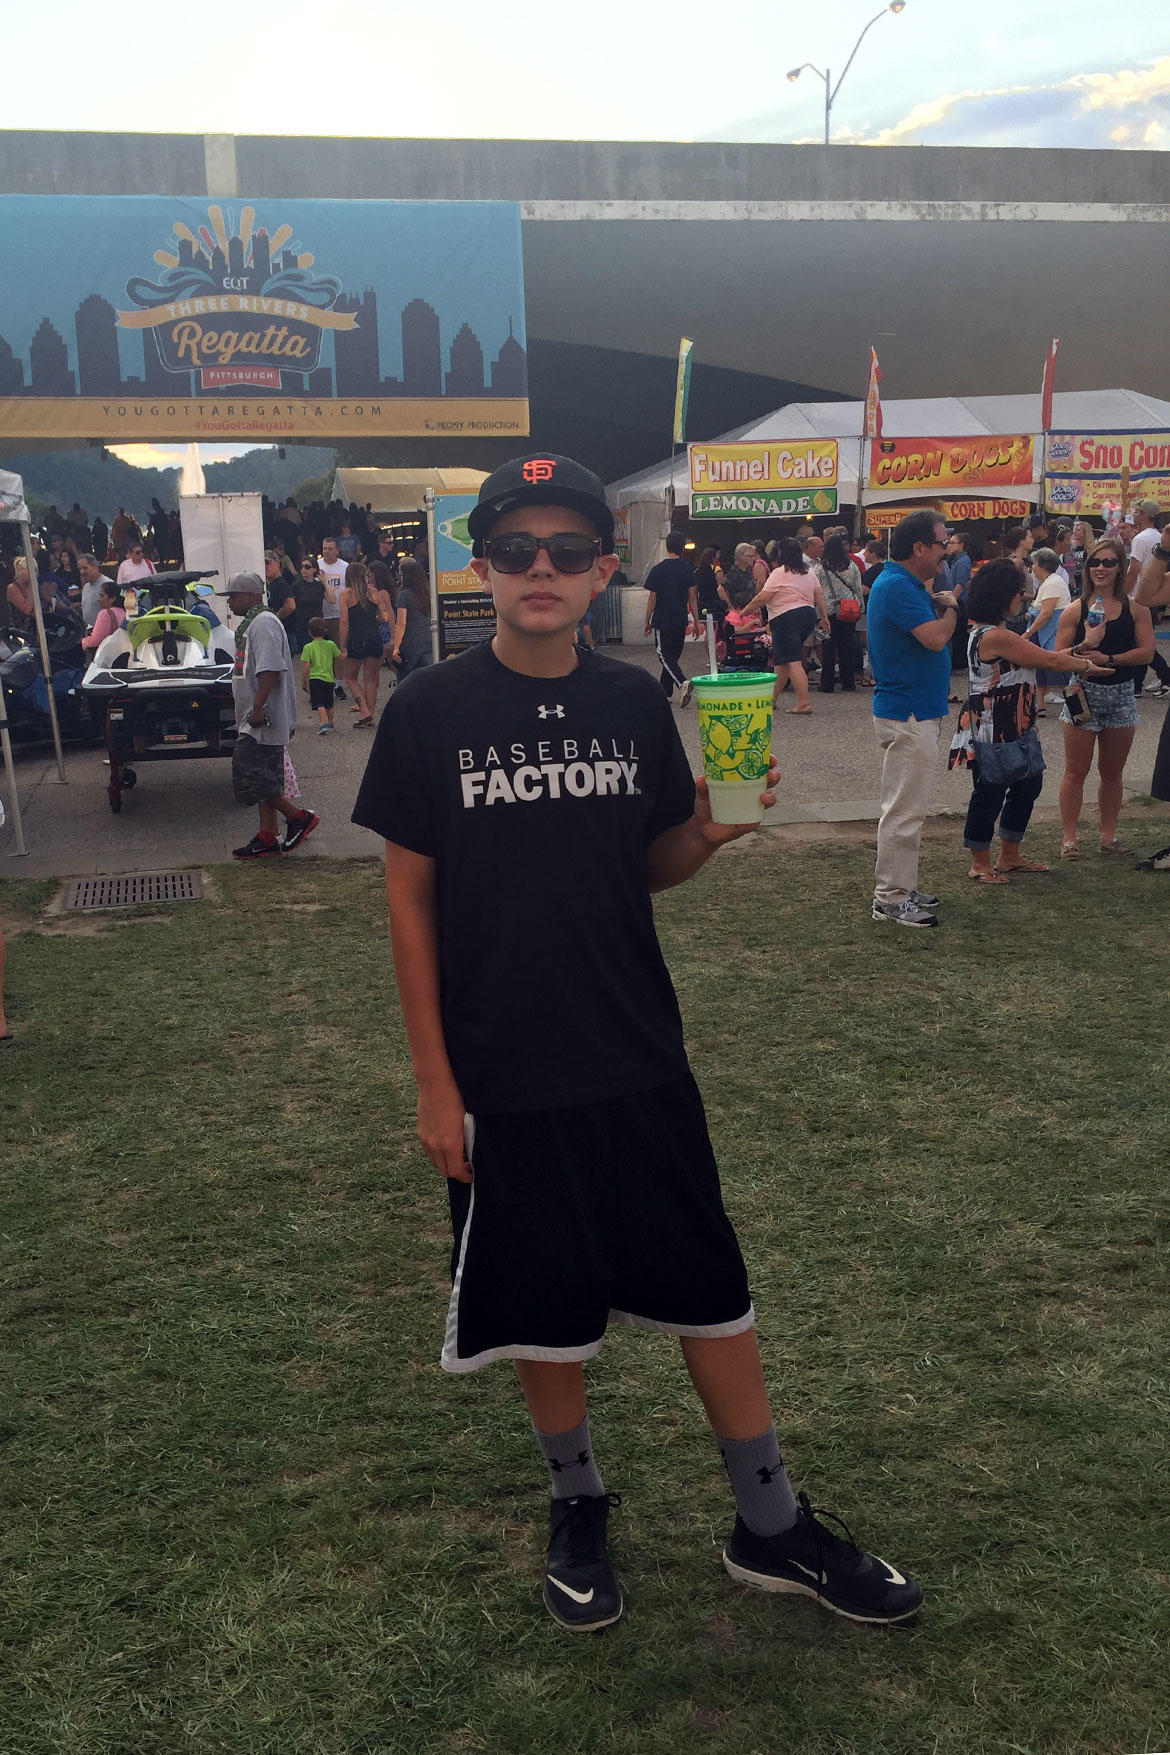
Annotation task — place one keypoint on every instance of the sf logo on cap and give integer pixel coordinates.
(538, 469)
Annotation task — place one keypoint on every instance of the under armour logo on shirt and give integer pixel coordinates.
(557, 712)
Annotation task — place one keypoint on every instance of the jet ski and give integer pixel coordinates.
(165, 681)
(25, 692)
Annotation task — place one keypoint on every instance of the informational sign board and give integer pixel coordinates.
(1083, 470)
(952, 465)
(180, 318)
(466, 613)
(954, 511)
(774, 479)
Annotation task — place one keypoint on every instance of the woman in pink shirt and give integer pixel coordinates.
(795, 603)
(108, 619)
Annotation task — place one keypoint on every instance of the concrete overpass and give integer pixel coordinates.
(780, 261)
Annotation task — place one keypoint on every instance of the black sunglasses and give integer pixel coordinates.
(1105, 561)
(568, 551)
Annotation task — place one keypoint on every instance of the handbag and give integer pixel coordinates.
(848, 608)
(1006, 764)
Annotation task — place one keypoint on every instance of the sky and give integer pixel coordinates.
(943, 72)
(1050, 73)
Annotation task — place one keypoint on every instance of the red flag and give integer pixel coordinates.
(1046, 386)
(873, 400)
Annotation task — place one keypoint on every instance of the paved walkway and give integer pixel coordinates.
(182, 813)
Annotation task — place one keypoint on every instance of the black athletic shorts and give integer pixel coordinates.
(576, 1216)
(320, 692)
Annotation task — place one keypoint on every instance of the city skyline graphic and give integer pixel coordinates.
(232, 307)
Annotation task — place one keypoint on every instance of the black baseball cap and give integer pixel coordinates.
(541, 479)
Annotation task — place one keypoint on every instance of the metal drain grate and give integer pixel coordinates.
(85, 895)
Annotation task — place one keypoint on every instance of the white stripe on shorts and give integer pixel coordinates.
(449, 1358)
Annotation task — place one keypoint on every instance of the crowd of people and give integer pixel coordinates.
(1048, 616)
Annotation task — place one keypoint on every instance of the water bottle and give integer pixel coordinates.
(1096, 613)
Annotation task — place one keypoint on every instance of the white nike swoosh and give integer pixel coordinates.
(577, 1595)
(894, 1575)
(808, 1572)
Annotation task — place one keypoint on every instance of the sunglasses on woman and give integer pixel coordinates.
(568, 551)
(1109, 561)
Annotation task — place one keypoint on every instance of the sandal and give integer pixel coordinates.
(987, 877)
(799, 709)
(362, 724)
(1114, 846)
(1022, 865)
(1069, 850)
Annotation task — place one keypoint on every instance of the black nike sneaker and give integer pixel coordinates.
(580, 1590)
(1159, 861)
(809, 1560)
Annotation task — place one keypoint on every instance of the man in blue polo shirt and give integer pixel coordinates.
(911, 664)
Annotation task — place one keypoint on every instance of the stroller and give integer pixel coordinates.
(744, 649)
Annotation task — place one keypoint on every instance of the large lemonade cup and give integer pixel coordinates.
(735, 730)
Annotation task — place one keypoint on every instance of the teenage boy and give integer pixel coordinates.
(518, 787)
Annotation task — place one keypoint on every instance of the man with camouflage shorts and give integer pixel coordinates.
(266, 716)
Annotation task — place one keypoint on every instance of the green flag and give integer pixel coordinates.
(682, 391)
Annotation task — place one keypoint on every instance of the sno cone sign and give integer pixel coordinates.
(735, 731)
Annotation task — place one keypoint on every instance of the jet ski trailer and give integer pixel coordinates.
(165, 681)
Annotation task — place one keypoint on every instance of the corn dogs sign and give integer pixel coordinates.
(776, 479)
(964, 466)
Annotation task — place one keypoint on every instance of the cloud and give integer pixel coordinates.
(1127, 108)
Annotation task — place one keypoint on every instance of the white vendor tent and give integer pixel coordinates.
(1073, 411)
(396, 491)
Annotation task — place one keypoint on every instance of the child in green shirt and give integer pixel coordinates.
(317, 661)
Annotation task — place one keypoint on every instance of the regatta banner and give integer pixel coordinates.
(957, 465)
(781, 478)
(180, 318)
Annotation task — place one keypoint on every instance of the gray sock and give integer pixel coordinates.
(569, 1456)
(763, 1496)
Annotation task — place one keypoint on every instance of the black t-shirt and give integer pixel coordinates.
(537, 798)
(671, 581)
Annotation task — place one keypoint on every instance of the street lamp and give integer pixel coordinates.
(832, 90)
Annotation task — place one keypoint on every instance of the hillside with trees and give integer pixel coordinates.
(102, 483)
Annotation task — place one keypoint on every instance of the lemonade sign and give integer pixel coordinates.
(774, 479)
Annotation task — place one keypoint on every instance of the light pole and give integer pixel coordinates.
(830, 89)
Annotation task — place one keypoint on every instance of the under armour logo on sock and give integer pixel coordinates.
(767, 1476)
(579, 1462)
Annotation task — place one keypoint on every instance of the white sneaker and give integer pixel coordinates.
(1052, 699)
(1155, 689)
(906, 913)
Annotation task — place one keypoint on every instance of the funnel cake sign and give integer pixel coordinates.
(193, 320)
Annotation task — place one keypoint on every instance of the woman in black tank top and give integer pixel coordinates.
(1125, 638)
(360, 615)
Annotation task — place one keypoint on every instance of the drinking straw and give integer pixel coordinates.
(711, 643)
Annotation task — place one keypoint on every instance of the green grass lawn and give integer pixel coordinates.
(243, 1510)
